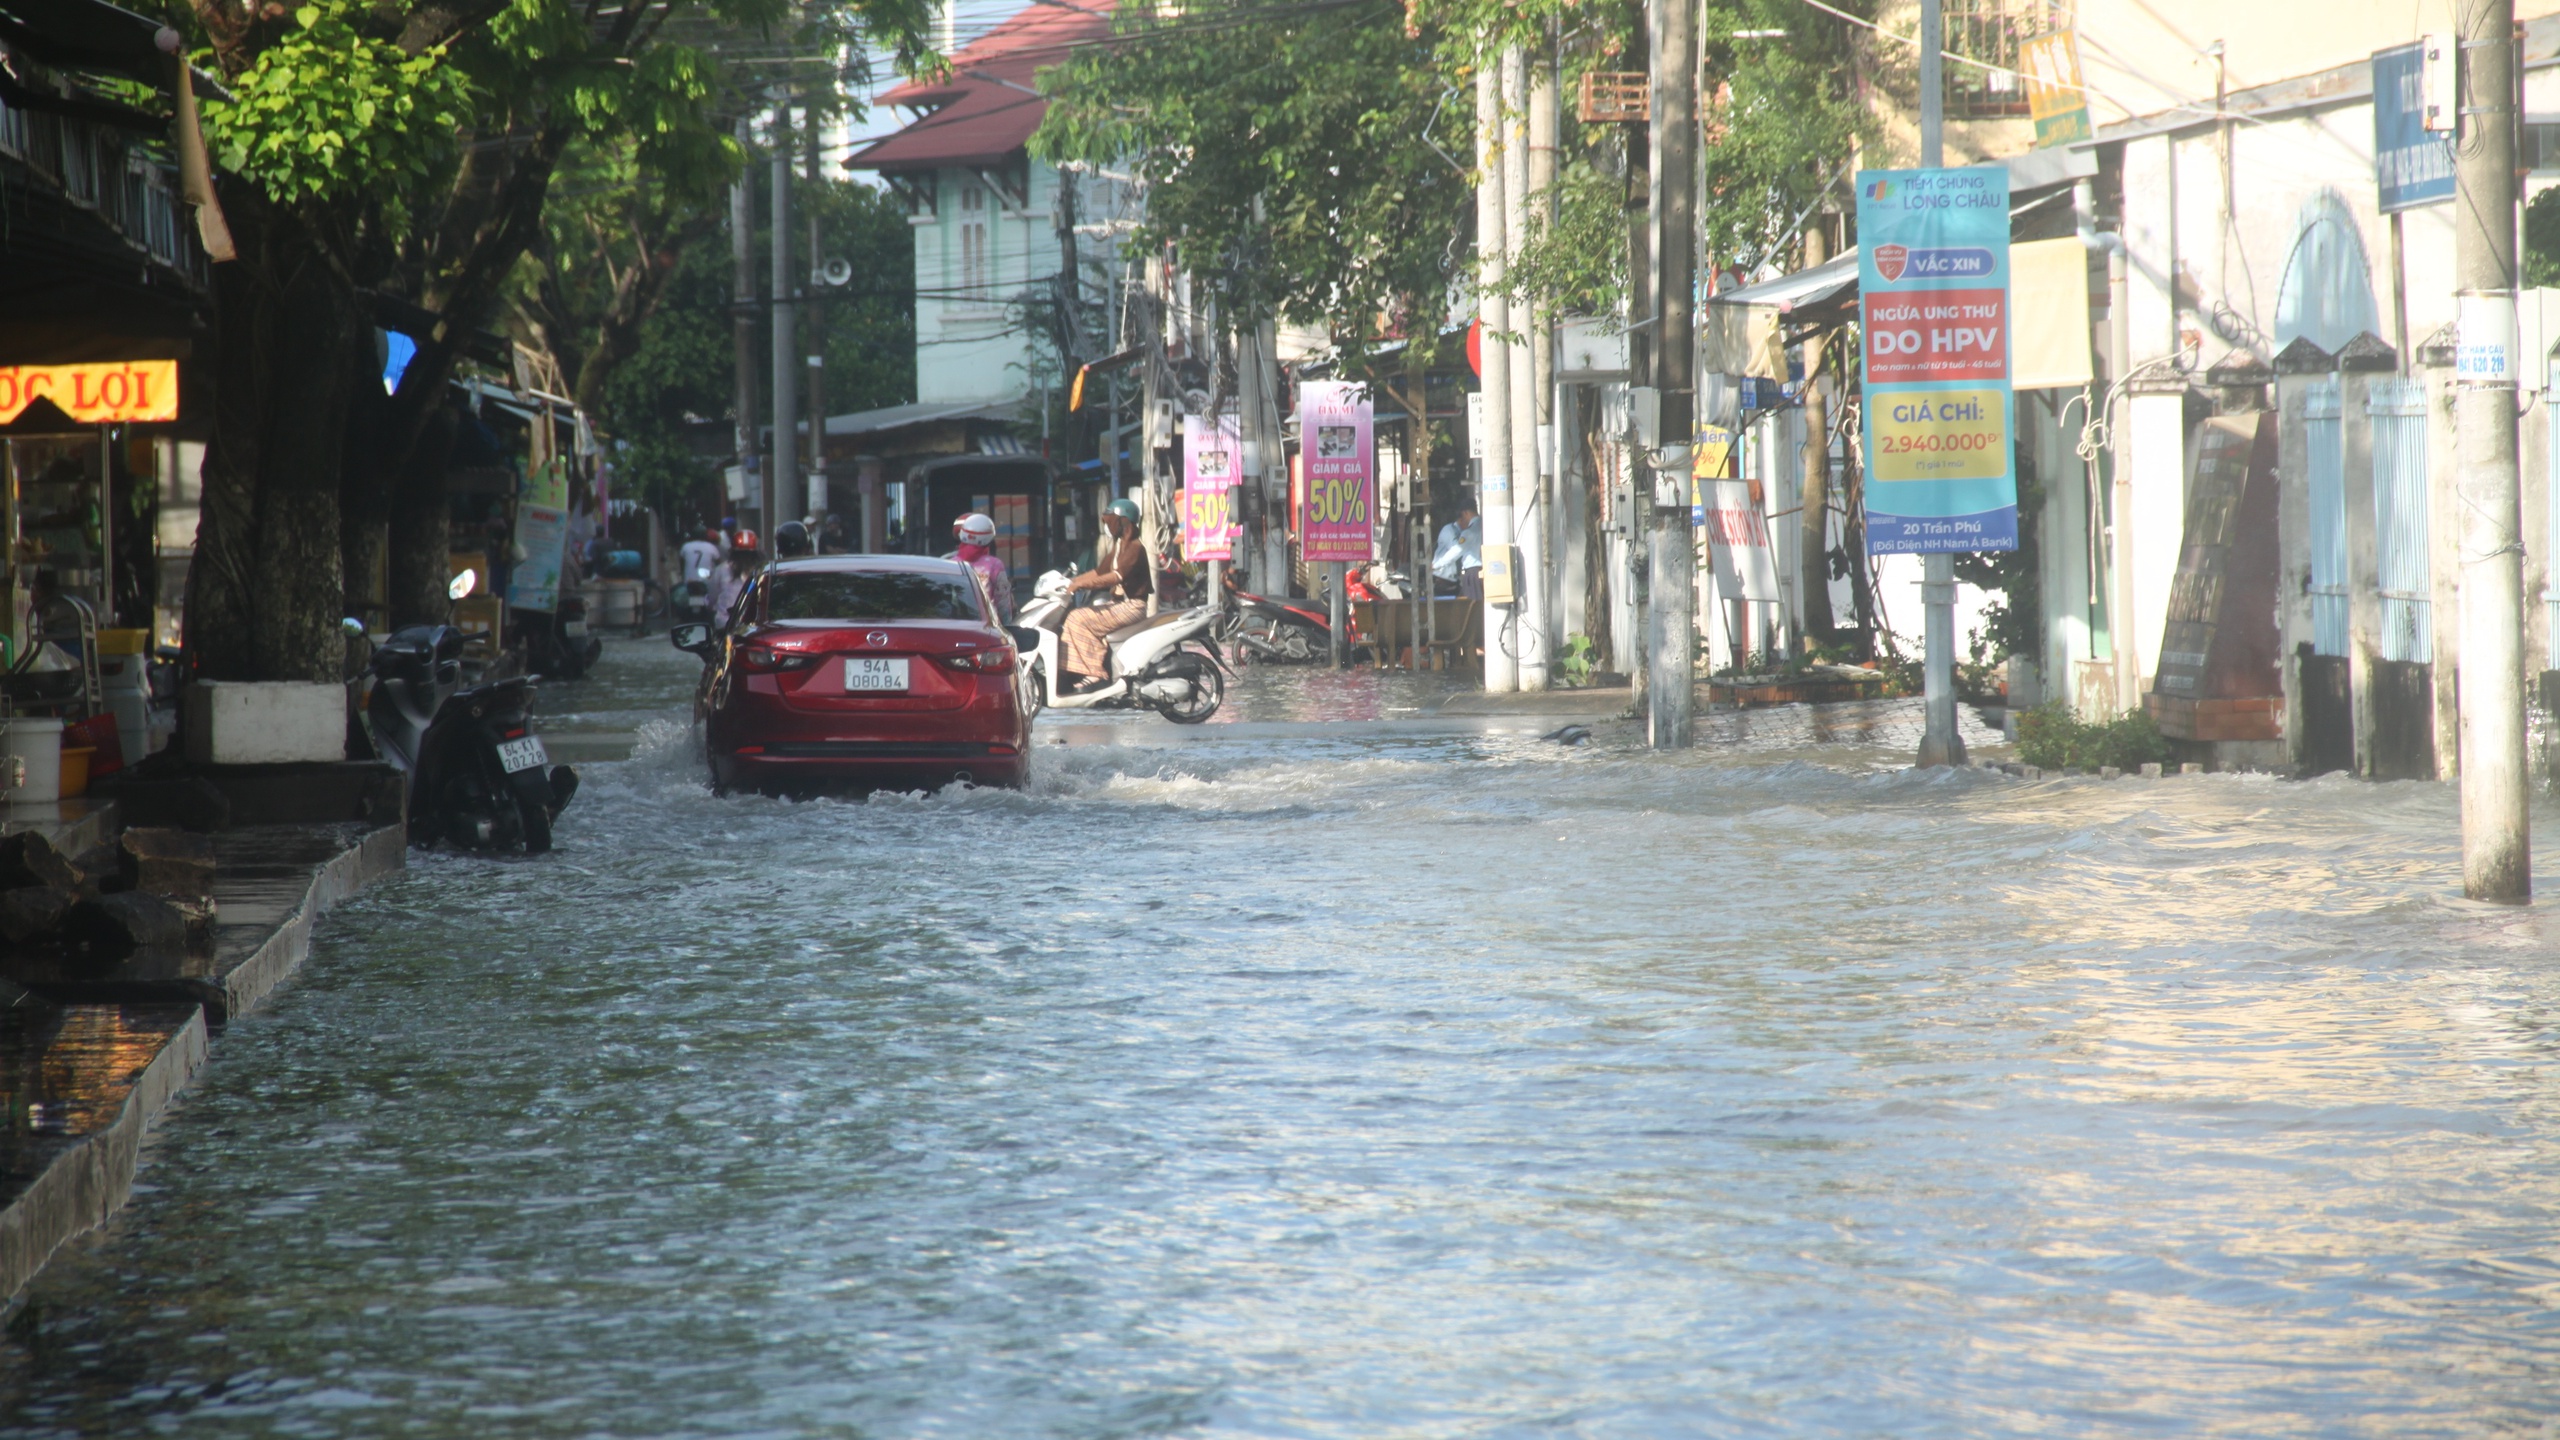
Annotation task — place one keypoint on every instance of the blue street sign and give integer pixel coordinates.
(2412, 165)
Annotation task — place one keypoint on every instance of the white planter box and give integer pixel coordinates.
(265, 722)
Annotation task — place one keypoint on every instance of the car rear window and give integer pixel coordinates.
(870, 595)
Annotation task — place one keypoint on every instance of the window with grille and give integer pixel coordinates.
(1990, 32)
(974, 267)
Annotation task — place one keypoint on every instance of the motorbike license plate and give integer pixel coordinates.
(574, 627)
(522, 754)
(869, 674)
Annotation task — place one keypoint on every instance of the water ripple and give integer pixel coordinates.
(1379, 1082)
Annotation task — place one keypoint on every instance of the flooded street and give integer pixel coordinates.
(1400, 1076)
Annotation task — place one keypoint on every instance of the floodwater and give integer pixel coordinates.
(1400, 1077)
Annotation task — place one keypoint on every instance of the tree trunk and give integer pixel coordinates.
(492, 222)
(422, 527)
(364, 492)
(265, 593)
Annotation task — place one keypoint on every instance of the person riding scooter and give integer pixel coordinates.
(976, 535)
(1120, 565)
(791, 538)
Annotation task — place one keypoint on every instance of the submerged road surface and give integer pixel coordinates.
(1393, 1078)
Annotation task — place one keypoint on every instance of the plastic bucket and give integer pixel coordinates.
(31, 760)
(617, 605)
(74, 772)
(124, 672)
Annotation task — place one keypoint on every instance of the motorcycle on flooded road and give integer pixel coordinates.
(1163, 663)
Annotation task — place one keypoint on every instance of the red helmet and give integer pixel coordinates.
(746, 540)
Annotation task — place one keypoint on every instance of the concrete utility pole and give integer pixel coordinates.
(783, 498)
(1672, 581)
(1493, 313)
(2497, 855)
(1939, 742)
(1529, 511)
(1813, 520)
(742, 325)
(1248, 460)
(1631, 498)
(822, 494)
(1554, 534)
(1275, 461)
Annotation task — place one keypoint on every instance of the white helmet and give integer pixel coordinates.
(974, 529)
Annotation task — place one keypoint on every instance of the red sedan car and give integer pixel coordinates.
(862, 672)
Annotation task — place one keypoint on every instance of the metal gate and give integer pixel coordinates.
(2324, 437)
(2398, 409)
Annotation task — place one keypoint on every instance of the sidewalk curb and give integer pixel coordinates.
(80, 1187)
(378, 854)
(1563, 704)
(84, 1185)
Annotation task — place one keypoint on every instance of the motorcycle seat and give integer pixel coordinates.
(1140, 627)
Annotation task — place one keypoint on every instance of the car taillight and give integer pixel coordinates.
(765, 657)
(981, 662)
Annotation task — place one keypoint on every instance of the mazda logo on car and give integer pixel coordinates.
(876, 637)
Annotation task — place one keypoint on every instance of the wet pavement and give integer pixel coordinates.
(1346, 1070)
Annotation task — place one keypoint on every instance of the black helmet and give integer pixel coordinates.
(790, 538)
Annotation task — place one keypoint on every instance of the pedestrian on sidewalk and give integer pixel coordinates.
(1120, 566)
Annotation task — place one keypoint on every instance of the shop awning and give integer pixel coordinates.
(900, 417)
(1742, 331)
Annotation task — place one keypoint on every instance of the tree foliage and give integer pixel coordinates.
(401, 153)
(658, 402)
(328, 110)
(1783, 121)
(1306, 160)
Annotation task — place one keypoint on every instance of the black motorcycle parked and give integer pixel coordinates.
(558, 643)
(476, 769)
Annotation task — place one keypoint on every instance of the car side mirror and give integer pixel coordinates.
(1025, 637)
(694, 638)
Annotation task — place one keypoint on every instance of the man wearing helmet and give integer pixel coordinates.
(1119, 565)
(790, 539)
(976, 535)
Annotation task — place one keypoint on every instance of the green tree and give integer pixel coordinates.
(406, 150)
(1783, 119)
(1304, 159)
(658, 400)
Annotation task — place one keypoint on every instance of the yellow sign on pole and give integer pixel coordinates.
(2057, 97)
(93, 394)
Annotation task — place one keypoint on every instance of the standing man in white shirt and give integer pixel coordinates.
(1459, 557)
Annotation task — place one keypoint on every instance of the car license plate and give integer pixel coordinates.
(861, 673)
(522, 754)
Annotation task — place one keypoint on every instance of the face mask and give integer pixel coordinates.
(971, 552)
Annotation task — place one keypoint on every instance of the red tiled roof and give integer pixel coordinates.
(985, 110)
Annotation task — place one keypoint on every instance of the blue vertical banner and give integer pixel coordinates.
(1933, 301)
(2412, 165)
